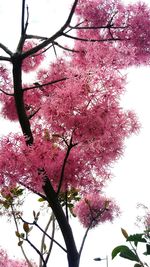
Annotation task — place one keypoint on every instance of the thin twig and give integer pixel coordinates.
(51, 243)
(97, 27)
(5, 58)
(5, 49)
(35, 223)
(44, 84)
(17, 228)
(33, 190)
(43, 238)
(6, 93)
(91, 40)
(67, 49)
(35, 248)
(27, 20)
(53, 37)
(33, 113)
(23, 18)
(32, 36)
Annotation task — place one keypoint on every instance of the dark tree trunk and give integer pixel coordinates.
(72, 253)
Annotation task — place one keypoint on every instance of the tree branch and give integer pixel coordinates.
(5, 58)
(35, 248)
(26, 24)
(5, 49)
(53, 37)
(35, 223)
(96, 27)
(44, 84)
(23, 18)
(43, 237)
(17, 228)
(65, 48)
(6, 93)
(91, 40)
(70, 146)
(31, 36)
(51, 243)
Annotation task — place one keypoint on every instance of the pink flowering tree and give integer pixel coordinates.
(72, 125)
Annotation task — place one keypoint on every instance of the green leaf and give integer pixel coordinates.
(118, 250)
(136, 238)
(147, 250)
(124, 252)
(129, 254)
(137, 265)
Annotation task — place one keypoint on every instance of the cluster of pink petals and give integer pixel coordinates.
(82, 108)
(94, 209)
(5, 261)
(32, 62)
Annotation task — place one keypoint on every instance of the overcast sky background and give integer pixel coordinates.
(130, 184)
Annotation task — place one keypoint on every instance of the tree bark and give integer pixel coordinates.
(72, 253)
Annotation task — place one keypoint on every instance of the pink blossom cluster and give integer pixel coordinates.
(77, 103)
(94, 209)
(5, 261)
(32, 62)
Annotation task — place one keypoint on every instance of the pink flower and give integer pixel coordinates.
(94, 209)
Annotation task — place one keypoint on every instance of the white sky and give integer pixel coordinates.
(131, 182)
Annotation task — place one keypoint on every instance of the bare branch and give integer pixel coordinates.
(91, 40)
(17, 228)
(52, 38)
(44, 84)
(5, 49)
(35, 248)
(65, 48)
(43, 237)
(33, 113)
(6, 93)
(31, 36)
(5, 58)
(34, 191)
(36, 224)
(70, 146)
(23, 18)
(55, 52)
(27, 20)
(96, 27)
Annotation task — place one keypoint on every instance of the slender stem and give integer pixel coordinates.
(83, 240)
(35, 223)
(5, 58)
(43, 238)
(51, 243)
(5, 49)
(91, 40)
(44, 84)
(35, 248)
(97, 27)
(23, 18)
(66, 205)
(63, 169)
(53, 37)
(50, 237)
(6, 93)
(17, 228)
